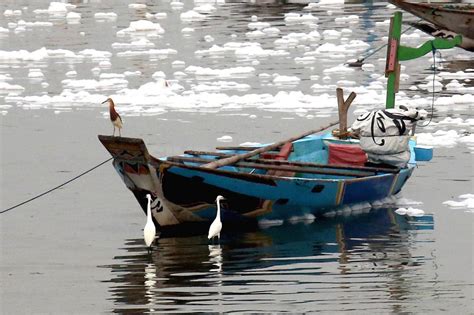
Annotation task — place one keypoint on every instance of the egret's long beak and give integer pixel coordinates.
(105, 101)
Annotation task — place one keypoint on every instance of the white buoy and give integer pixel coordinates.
(216, 226)
(149, 232)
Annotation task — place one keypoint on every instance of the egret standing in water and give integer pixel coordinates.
(114, 116)
(216, 226)
(149, 232)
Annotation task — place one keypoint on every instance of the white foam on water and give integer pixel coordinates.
(331, 34)
(105, 16)
(35, 74)
(152, 53)
(348, 19)
(305, 60)
(255, 34)
(307, 218)
(219, 86)
(10, 89)
(296, 18)
(73, 18)
(160, 15)
(137, 6)
(141, 27)
(286, 80)
(4, 31)
(113, 84)
(192, 16)
(209, 38)
(187, 31)
(340, 69)
(411, 212)
(440, 138)
(142, 43)
(265, 223)
(460, 75)
(176, 5)
(466, 203)
(12, 13)
(271, 31)
(132, 73)
(56, 9)
(220, 73)
(258, 25)
(225, 138)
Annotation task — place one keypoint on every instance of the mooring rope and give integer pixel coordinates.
(57, 187)
(361, 60)
(434, 50)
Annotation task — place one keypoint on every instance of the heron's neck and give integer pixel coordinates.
(219, 209)
(148, 211)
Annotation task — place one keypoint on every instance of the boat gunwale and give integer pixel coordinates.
(162, 163)
(430, 6)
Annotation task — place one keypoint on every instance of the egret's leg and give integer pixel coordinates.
(114, 132)
(120, 132)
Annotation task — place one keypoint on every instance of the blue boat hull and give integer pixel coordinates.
(185, 192)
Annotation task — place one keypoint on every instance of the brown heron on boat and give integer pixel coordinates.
(114, 116)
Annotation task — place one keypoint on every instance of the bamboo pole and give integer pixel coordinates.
(290, 168)
(235, 158)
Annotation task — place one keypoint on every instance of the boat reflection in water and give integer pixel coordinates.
(362, 262)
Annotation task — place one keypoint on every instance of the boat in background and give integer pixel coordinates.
(444, 20)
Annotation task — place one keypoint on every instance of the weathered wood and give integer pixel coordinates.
(236, 158)
(297, 163)
(291, 168)
(343, 107)
(239, 148)
(219, 154)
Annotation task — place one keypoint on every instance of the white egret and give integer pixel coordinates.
(216, 226)
(149, 232)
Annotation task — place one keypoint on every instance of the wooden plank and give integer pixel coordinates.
(297, 163)
(238, 148)
(235, 158)
(291, 168)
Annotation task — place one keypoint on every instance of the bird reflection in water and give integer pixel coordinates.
(215, 258)
(150, 283)
(186, 274)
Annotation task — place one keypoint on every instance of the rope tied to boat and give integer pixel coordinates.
(57, 187)
(360, 61)
(434, 51)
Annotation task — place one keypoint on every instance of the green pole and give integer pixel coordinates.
(395, 33)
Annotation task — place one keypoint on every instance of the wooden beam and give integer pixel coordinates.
(291, 168)
(235, 158)
(297, 163)
(239, 148)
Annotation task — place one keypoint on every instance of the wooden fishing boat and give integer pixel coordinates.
(444, 19)
(304, 176)
(296, 182)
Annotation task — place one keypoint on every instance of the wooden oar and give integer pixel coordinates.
(235, 158)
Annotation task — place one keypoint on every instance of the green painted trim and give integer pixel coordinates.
(396, 31)
(409, 53)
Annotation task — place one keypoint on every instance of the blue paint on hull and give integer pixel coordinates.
(187, 191)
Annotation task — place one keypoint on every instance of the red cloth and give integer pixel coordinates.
(346, 154)
(283, 155)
